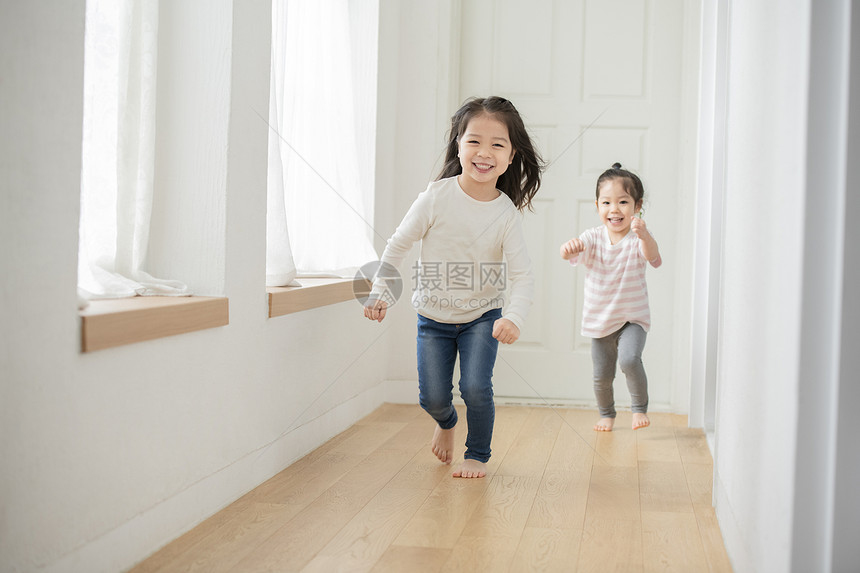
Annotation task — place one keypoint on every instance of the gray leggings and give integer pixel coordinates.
(624, 346)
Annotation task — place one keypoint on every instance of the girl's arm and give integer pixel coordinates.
(647, 243)
(575, 250)
(572, 248)
(521, 283)
(411, 229)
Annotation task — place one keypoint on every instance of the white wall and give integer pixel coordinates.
(820, 337)
(759, 337)
(107, 456)
(707, 239)
(414, 54)
(846, 503)
(783, 349)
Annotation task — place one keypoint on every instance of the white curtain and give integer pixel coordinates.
(120, 58)
(316, 200)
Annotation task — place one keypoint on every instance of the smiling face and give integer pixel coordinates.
(485, 152)
(616, 208)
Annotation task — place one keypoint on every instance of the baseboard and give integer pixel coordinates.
(406, 392)
(733, 537)
(145, 533)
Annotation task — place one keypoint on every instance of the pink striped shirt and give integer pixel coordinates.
(615, 289)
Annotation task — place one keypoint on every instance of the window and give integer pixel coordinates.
(120, 57)
(321, 141)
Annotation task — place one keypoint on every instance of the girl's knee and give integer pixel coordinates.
(434, 405)
(630, 363)
(443, 412)
(476, 394)
(603, 380)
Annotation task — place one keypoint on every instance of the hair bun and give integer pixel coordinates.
(616, 166)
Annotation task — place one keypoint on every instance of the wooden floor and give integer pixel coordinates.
(558, 497)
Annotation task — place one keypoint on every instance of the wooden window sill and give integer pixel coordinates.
(314, 293)
(116, 322)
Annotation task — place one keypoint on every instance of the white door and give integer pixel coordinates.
(597, 81)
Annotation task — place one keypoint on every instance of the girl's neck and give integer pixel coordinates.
(615, 238)
(478, 191)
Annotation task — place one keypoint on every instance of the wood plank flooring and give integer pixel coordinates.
(558, 497)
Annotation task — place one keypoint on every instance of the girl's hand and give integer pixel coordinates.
(505, 331)
(639, 227)
(375, 308)
(572, 248)
(647, 244)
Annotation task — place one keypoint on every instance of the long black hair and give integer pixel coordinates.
(521, 180)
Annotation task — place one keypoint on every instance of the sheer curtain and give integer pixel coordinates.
(316, 200)
(120, 55)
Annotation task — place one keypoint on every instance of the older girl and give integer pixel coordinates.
(473, 256)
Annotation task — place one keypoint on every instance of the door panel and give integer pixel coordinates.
(597, 81)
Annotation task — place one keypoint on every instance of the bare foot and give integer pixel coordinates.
(443, 444)
(604, 425)
(470, 469)
(640, 421)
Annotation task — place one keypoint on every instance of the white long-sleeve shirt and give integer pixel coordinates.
(472, 256)
(615, 288)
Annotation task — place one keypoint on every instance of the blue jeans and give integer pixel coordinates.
(438, 344)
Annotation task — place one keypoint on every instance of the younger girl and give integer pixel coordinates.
(472, 250)
(615, 312)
